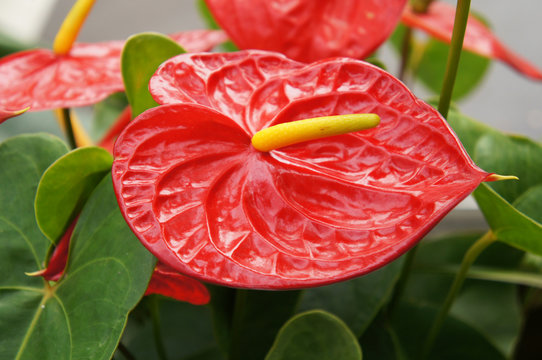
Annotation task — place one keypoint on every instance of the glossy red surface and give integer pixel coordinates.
(88, 74)
(308, 30)
(439, 23)
(204, 201)
(168, 282)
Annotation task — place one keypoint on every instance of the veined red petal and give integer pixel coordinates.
(439, 22)
(208, 204)
(307, 30)
(88, 74)
(224, 82)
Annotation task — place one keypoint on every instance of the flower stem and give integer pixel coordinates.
(469, 258)
(458, 34)
(403, 279)
(406, 47)
(420, 6)
(154, 307)
(68, 128)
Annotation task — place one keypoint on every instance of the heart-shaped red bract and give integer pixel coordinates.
(42, 80)
(439, 22)
(308, 30)
(204, 201)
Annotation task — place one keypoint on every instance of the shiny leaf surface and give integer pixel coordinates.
(142, 55)
(356, 301)
(439, 21)
(511, 221)
(66, 186)
(457, 340)
(315, 335)
(86, 75)
(307, 30)
(83, 315)
(202, 199)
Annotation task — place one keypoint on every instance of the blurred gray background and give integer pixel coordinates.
(505, 99)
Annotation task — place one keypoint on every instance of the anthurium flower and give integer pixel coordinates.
(88, 73)
(308, 30)
(438, 22)
(206, 202)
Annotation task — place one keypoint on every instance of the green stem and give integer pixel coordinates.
(403, 279)
(420, 6)
(154, 307)
(69, 128)
(406, 48)
(125, 352)
(458, 34)
(469, 258)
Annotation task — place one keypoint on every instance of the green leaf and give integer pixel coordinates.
(257, 317)
(22, 246)
(468, 130)
(379, 342)
(106, 112)
(141, 56)
(508, 223)
(186, 331)
(83, 315)
(502, 202)
(457, 340)
(510, 155)
(66, 186)
(356, 301)
(429, 284)
(432, 65)
(315, 335)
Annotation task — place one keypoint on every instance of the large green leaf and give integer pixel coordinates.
(66, 186)
(315, 335)
(141, 56)
(23, 159)
(508, 223)
(457, 340)
(356, 301)
(509, 205)
(83, 315)
(510, 154)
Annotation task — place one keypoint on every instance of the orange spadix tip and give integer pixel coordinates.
(294, 132)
